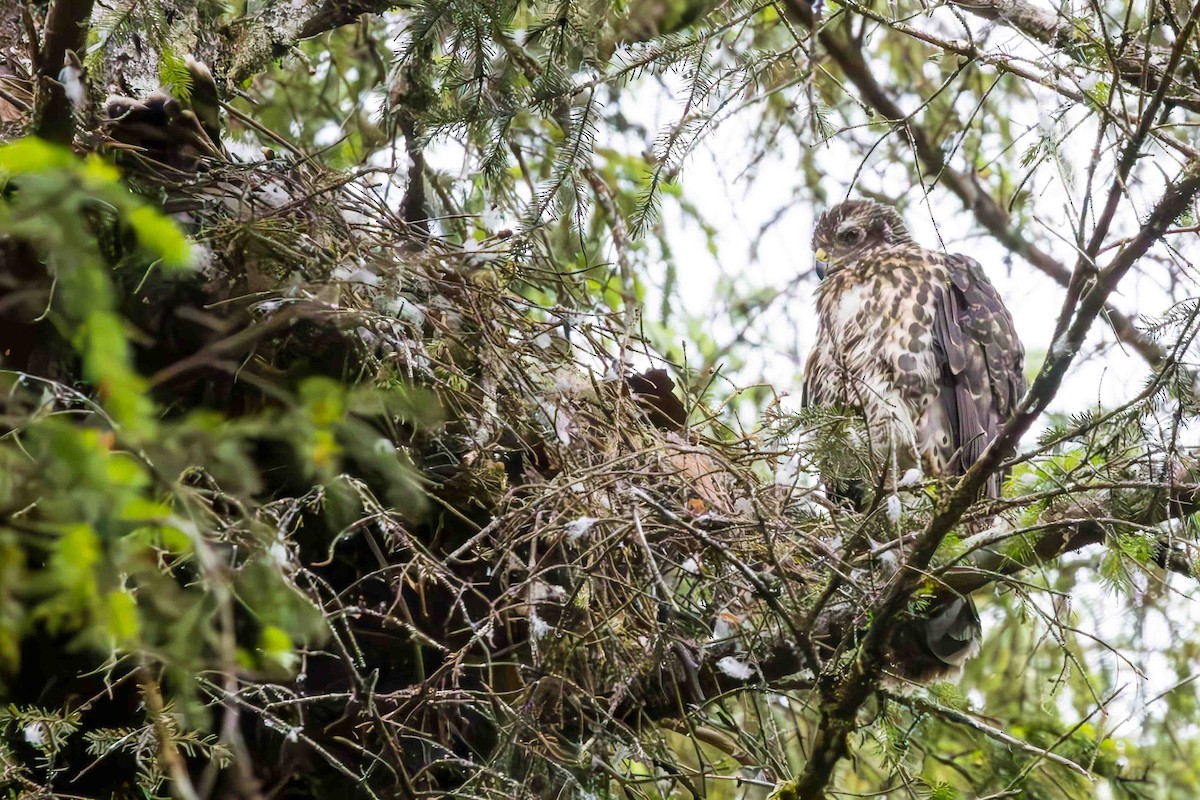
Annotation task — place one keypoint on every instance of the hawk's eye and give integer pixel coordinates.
(851, 236)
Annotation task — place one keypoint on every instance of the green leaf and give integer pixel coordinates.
(161, 237)
(324, 400)
(31, 155)
(122, 617)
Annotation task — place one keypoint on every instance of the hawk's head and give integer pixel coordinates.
(849, 229)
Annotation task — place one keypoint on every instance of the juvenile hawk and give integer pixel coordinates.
(917, 341)
(920, 344)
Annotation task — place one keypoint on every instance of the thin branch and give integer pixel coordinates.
(1130, 154)
(849, 692)
(1133, 67)
(975, 197)
(164, 732)
(923, 706)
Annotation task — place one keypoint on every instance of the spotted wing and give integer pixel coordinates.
(982, 362)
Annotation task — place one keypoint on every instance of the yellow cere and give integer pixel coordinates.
(821, 254)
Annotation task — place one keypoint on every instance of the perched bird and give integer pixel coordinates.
(919, 345)
(916, 341)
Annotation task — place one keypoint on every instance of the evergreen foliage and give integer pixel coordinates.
(373, 452)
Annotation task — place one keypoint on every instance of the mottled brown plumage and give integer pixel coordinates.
(916, 340)
(920, 345)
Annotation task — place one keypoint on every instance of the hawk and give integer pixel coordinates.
(918, 344)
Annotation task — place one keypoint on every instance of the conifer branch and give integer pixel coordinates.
(975, 197)
(845, 695)
(1134, 65)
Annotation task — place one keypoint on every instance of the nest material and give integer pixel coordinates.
(588, 561)
(579, 564)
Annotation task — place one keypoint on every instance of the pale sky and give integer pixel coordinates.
(739, 208)
(1103, 373)
(714, 180)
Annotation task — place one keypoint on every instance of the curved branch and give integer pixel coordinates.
(1053, 543)
(1134, 65)
(842, 701)
(281, 25)
(988, 212)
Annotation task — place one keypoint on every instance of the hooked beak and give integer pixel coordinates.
(822, 263)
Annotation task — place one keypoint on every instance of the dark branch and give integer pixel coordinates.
(277, 29)
(975, 197)
(1134, 66)
(66, 29)
(844, 695)
(1050, 545)
(843, 700)
(330, 14)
